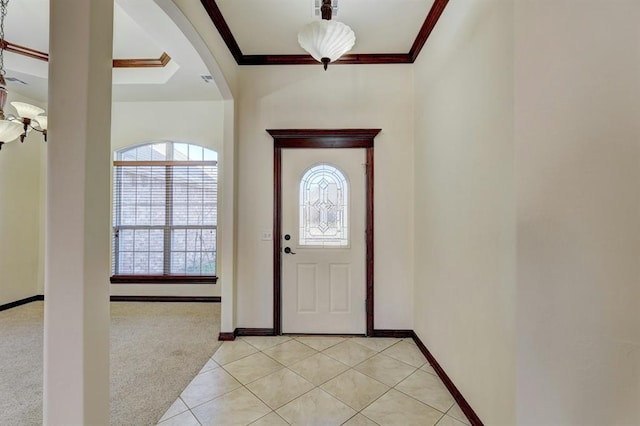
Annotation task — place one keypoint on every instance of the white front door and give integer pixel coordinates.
(323, 241)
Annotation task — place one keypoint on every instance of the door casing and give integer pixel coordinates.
(321, 138)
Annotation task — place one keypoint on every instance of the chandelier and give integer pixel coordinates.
(29, 117)
(326, 40)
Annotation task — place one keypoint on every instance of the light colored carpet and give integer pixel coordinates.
(21, 333)
(156, 349)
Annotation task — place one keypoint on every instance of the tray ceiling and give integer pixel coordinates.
(259, 32)
(143, 34)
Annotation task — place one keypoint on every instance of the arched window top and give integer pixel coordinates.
(166, 151)
(324, 207)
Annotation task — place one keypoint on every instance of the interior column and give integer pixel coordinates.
(228, 230)
(76, 332)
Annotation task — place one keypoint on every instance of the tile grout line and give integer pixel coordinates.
(243, 384)
(195, 417)
(265, 402)
(466, 421)
(416, 399)
(424, 403)
(272, 412)
(371, 377)
(177, 414)
(335, 359)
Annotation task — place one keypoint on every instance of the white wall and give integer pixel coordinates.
(578, 168)
(342, 97)
(465, 204)
(200, 123)
(21, 215)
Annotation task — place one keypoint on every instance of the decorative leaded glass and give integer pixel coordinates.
(324, 196)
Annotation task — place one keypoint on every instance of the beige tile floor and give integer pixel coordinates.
(316, 380)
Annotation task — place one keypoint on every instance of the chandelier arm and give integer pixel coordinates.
(26, 122)
(3, 14)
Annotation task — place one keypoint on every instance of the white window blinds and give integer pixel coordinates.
(165, 217)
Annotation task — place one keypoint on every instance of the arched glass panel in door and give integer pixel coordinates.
(324, 207)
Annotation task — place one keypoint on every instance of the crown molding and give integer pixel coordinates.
(160, 62)
(427, 27)
(25, 51)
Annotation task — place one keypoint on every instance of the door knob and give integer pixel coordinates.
(288, 250)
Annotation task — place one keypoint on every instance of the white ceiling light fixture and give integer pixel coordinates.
(29, 117)
(326, 40)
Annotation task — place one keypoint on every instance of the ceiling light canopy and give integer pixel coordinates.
(29, 117)
(326, 40)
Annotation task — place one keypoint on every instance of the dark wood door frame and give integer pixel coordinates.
(315, 138)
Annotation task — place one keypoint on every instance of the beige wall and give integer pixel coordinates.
(21, 207)
(200, 123)
(192, 122)
(342, 97)
(511, 120)
(578, 169)
(465, 205)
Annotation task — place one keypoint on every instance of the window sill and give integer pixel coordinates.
(163, 279)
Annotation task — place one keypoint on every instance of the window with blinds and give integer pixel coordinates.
(165, 213)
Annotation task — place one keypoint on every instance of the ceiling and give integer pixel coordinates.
(141, 31)
(260, 32)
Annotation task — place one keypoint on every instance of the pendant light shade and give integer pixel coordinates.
(27, 110)
(42, 121)
(326, 40)
(9, 131)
